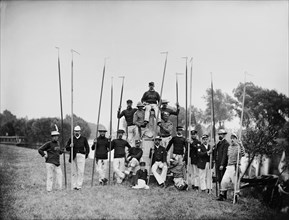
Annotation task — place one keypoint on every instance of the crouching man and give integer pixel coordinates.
(142, 177)
(178, 169)
(51, 152)
(134, 156)
(159, 162)
(232, 170)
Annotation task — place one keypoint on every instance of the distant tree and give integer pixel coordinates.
(265, 115)
(7, 120)
(224, 107)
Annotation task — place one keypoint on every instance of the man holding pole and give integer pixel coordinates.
(164, 108)
(203, 164)
(232, 169)
(151, 99)
(166, 129)
(80, 153)
(220, 155)
(128, 115)
(118, 145)
(179, 145)
(101, 147)
(194, 145)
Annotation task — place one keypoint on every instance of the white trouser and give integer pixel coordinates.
(178, 157)
(205, 177)
(194, 171)
(51, 170)
(101, 167)
(133, 165)
(229, 176)
(118, 168)
(78, 165)
(161, 178)
(139, 133)
(141, 184)
(148, 108)
(132, 133)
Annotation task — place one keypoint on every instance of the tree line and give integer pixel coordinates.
(37, 131)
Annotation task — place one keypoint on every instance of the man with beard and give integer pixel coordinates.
(101, 146)
(220, 155)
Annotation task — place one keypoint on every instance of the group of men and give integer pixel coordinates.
(169, 155)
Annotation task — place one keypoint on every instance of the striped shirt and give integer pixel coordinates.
(233, 152)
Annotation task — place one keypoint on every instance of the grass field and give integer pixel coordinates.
(23, 196)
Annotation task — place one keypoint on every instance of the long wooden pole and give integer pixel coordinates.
(110, 130)
(71, 122)
(159, 105)
(120, 101)
(71, 131)
(186, 87)
(61, 112)
(213, 133)
(190, 121)
(177, 96)
(98, 118)
(240, 136)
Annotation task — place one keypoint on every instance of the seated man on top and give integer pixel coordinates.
(151, 99)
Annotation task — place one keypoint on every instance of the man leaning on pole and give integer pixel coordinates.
(80, 153)
(232, 167)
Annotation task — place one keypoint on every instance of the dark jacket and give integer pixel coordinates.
(179, 145)
(203, 156)
(53, 151)
(80, 146)
(160, 154)
(142, 175)
(128, 114)
(135, 152)
(220, 153)
(194, 151)
(119, 147)
(102, 147)
(151, 97)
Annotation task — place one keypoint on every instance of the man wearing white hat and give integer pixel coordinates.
(220, 155)
(80, 153)
(232, 166)
(51, 152)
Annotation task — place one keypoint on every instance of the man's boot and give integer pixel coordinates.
(222, 196)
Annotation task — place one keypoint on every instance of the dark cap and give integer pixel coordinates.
(142, 163)
(157, 138)
(129, 101)
(151, 84)
(137, 141)
(194, 132)
(180, 128)
(120, 131)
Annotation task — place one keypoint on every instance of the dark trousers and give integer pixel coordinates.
(220, 173)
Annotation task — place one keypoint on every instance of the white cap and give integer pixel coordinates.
(54, 133)
(77, 128)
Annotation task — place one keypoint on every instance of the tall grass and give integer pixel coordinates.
(24, 196)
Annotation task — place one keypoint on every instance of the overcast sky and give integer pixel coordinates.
(226, 38)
